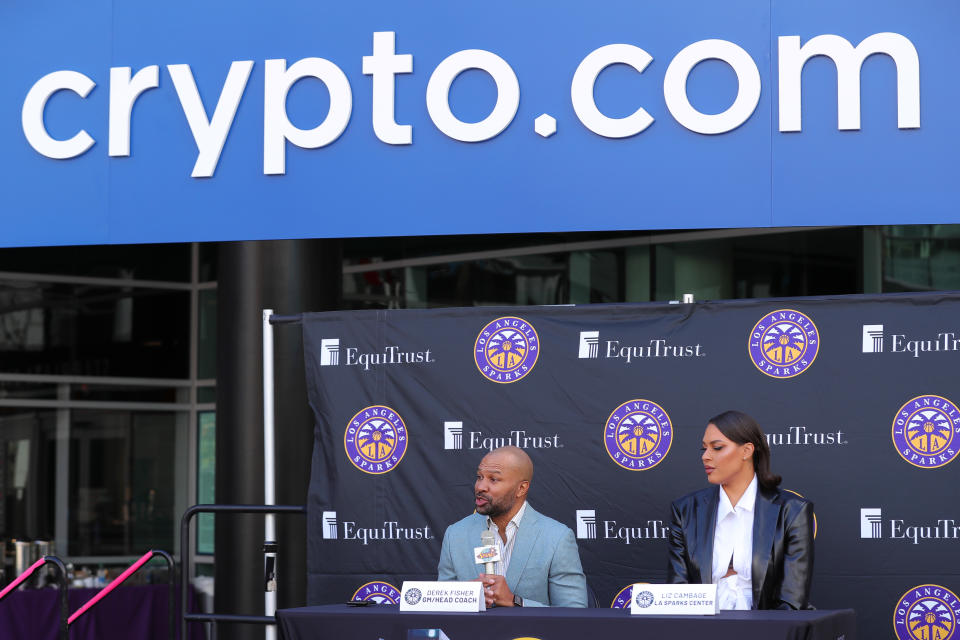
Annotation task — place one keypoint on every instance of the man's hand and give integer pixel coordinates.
(495, 590)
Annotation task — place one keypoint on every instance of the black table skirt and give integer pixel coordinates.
(339, 622)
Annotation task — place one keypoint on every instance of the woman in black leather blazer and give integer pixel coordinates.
(734, 448)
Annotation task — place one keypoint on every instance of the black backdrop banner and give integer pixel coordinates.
(857, 395)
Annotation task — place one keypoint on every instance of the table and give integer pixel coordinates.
(136, 611)
(339, 621)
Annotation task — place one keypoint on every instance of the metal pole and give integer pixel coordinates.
(62, 586)
(213, 619)
(270, 536)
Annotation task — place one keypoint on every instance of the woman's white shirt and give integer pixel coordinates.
(733, 537)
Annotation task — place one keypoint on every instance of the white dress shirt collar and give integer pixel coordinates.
(746, 501)
(506, 548)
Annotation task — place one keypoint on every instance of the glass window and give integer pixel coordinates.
(206, 480)
(921, 257)
(27, 469)
(71, 329)
(122, 484)
(209, 251)
(164, 262)
(124, 393)
(207, 334)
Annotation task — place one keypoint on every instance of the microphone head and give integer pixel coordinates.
(487, 538)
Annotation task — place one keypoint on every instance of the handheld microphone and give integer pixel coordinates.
(487, 553)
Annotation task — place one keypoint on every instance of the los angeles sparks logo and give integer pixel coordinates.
(623, 597)
(506, 349)
(638, 435)
(784, 343)
(375, 439)
(924, 431)
(927, 612)
(377, 591)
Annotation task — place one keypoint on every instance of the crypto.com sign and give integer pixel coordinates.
(182, 121)
(385, 64)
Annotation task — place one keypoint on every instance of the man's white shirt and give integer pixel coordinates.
(506, 548)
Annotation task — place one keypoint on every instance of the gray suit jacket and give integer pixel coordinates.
(544, 568)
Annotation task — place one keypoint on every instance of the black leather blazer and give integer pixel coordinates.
(782, 545)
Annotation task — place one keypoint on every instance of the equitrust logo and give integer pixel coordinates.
(876, 340)
(387, 531)
(587, 524)
(329, 525)
(488, 439)
(331, 352)
(591, 346)
(871, 523)
(802, 436)
(873, 526)
(590, 528)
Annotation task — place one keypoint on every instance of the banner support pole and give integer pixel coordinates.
(269, 498)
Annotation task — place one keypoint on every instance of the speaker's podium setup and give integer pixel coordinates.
(678, 612)
(337, 621)
(613, 445)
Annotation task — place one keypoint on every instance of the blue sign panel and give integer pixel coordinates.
(123, 123)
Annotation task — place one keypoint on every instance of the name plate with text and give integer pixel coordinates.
(442, 596)
(674, 599)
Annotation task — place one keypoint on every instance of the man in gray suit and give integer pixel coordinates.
(539, 566)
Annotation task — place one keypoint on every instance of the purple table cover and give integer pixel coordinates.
(128, 612)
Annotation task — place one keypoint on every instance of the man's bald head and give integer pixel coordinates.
(503, 478)
(512, 458)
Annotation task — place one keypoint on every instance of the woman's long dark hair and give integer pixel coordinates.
(741, 429)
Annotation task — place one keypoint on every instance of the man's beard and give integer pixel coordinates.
(495, 508)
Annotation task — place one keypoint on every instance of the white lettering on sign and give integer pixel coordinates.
(385, 64)
(849, 59)
(581, 91)
(210, 135)
(675, 86)
(124, 91)
(36, 103)
(438, 95)
(277, 128)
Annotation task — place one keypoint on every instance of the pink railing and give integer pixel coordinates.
(23, 576)
(61, 581)
(116, 582)
(66, 621)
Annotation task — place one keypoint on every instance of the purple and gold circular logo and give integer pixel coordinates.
(924, 431)
(638, 435)
(375, 439)
(926, 612)
(623, 597)
(784, 343)
(506, 349)
(377, 591)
